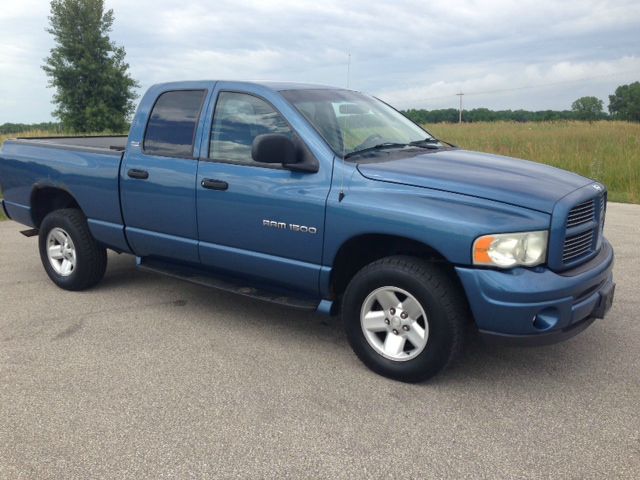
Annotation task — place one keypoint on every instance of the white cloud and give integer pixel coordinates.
(406, 51)
(519, 85)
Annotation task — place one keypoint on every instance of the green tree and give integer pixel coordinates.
(624, 104)
(94, 91)
(587, 108)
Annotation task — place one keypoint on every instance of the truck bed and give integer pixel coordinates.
(87, 168)
(96, 142)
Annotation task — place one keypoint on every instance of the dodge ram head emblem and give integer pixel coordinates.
(597, 187)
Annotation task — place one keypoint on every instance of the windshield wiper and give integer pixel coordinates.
(379, 146)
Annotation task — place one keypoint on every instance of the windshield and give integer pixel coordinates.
(351, 121)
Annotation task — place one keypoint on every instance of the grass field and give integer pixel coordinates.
(605, 151)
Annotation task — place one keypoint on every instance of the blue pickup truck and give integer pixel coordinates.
(325, 199)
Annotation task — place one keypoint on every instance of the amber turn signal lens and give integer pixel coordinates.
(481, 250)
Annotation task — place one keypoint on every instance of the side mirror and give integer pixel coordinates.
(274, 148)
(278, 148)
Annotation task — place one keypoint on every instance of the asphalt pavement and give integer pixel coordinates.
(149, 377)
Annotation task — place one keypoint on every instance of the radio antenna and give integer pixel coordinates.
(346, 122)
(348, 68)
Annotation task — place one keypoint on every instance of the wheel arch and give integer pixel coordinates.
(46, 199)
(360, 250)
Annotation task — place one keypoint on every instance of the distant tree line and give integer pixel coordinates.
(9, 128)
(450, 115)
(624, 104)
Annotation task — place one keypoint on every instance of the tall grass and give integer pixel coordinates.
(33, 133)
(608, 152)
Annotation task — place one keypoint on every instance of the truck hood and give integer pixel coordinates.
(494, 177)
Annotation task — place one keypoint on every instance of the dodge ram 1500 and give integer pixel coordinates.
(325, 199)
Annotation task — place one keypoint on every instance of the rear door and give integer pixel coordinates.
(158, 177)
(258, 220)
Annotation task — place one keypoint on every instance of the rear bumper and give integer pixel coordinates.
(537, 306)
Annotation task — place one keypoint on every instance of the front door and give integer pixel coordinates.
(259, 220)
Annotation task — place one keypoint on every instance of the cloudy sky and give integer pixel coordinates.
(532, 54)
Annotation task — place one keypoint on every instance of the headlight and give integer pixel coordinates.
(507, 250)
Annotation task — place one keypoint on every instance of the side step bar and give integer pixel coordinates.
(32, 232)
(200, 277)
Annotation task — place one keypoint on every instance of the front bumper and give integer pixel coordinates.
(537, 306)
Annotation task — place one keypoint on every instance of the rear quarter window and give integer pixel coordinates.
(172, 124)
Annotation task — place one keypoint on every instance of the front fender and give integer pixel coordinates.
(444, 221)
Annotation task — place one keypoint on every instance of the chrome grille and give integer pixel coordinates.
(582, 213)
(577, 246)
(583, 230)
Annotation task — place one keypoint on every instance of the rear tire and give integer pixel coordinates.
(70, 255)
(404, 317)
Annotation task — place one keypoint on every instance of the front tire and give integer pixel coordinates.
(70, 255)
(404, 318)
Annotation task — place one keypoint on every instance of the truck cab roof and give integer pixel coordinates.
(272, 85)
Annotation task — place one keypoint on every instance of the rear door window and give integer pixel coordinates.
(172, 124)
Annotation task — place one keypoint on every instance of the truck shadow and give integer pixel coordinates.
(479, 363)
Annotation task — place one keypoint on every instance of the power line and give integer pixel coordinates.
(525, 87)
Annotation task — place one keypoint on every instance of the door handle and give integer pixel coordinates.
(139, 174)
(212, 184)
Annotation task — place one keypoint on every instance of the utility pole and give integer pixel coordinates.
(460, 111)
